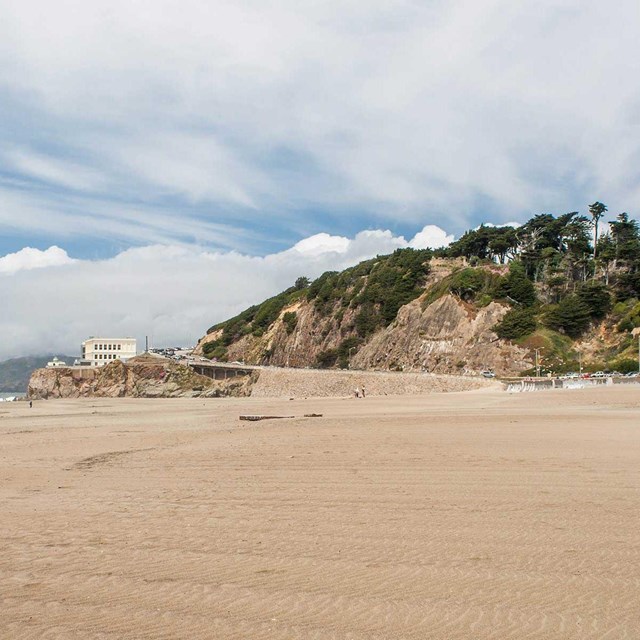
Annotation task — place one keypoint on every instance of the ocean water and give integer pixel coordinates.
(4, 396)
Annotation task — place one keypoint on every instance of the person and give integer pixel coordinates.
(363, 391)
(30, 404)
(356, 392)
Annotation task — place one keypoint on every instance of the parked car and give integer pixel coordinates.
(488, 373)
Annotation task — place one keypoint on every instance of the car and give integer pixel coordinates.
(488, 373)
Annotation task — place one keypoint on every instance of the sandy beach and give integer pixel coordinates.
(447, 516)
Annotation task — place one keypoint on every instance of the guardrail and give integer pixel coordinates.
(519, 386)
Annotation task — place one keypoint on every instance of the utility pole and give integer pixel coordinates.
(537, 363)
(580, 360)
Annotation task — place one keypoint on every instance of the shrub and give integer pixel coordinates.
(215, 350)
(625, 365)
(326, 359)
(517, 323)
(268, 313)
(366, 321)
(570, 316)
(466, 283)
(290, 319)
(347, 346)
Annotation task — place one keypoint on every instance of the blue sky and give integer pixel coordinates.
(244, 127)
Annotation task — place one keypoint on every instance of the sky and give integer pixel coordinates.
(166, 164)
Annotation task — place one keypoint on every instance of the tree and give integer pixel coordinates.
(301, 283)
(606, 254)
(517, 286)
(503, 243)
(517, 323)
(571, 316)
(596, 297)
(597, 210)
(626, 237)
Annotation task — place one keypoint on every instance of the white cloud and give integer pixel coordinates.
(321, 243)
(172, 293)
(29, 258)
(77, 215)
(54, 170)
(431, 237)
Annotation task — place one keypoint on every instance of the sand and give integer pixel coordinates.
(462, 515)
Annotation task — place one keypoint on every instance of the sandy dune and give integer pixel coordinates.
(463, 515)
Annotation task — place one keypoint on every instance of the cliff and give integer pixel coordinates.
(141, 377)
(446, 337)
(342, 323)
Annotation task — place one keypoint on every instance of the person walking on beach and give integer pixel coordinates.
(356, 392)
(363, 391)
(30, 404)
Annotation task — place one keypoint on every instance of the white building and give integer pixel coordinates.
(101, 351)
(56, 363)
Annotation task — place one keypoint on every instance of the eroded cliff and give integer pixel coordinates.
(141, 377)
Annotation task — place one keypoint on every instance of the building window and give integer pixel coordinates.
(119, 346)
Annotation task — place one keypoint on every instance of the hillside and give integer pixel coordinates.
(15, 373)
(488, 301)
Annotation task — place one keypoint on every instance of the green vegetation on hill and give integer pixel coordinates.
(15, 373)
(377, 288)
(558, 284)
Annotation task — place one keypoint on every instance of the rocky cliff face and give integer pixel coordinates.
(447, 336)
(142, 377)
(312, 335)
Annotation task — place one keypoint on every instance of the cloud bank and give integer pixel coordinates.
(51, 302)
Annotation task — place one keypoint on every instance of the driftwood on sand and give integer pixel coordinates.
(258, 417)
